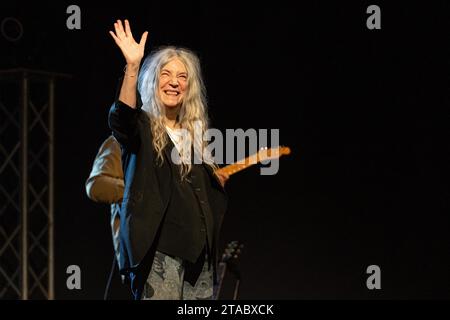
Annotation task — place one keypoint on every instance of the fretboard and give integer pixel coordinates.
(238, 166)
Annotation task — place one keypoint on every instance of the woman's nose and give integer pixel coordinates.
(174, 81)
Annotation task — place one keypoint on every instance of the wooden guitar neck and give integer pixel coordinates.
(263, 154)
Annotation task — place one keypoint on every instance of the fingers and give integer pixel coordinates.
(116, 29)
(120, 33)
(224, 175)
(114, 37)
(143, 38)
(120, 27)
(124, 39)
(128, 29)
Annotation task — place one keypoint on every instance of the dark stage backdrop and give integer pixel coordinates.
(365, 113)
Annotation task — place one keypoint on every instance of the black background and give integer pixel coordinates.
(365, 113)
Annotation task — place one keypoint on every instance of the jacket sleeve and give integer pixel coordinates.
(123, 120)
(105, 183)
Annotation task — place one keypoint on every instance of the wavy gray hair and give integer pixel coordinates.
(193, 112)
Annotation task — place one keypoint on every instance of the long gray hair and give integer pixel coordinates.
(193, 111)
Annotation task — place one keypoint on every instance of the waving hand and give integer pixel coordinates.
(131, 50)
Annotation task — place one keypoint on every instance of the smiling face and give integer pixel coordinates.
(172, 83)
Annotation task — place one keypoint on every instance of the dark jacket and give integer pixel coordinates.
(148, 187)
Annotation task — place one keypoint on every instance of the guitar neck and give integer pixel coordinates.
(264, 154)
(238, 166)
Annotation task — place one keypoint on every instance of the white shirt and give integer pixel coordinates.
(180, 142)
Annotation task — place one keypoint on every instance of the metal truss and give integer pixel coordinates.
(26, 184)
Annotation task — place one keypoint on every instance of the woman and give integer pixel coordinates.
(171, 212)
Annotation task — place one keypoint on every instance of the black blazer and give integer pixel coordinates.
(148, 187)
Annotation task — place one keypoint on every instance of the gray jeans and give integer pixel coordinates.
(166, 281)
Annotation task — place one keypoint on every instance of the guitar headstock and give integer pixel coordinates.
(232, 251)
(272, 153)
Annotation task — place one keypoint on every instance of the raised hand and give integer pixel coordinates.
(131, 50)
